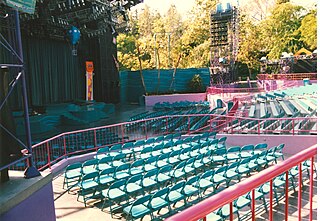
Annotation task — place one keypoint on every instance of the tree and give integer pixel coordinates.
(279, 30)
(308, 30)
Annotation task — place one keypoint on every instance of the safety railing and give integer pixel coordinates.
(228, 195)
(50, 151)
(218, 90)
(298, 76)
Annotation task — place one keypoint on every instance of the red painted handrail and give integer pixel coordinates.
(228, 195)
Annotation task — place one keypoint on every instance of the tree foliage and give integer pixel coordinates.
(167, 41)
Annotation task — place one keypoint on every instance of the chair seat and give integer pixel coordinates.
(232, 156)
(243, 169)
(133, 187)
(121, 175)
(190, 190)
(161, 163)
(245, 154)
(115, 193)
(145, 156)
(113, 154)
(177, 173)
(158, 203)
(231, 174)
(136, 170)
(147, 182)
(204, 183)
(88, 184)
(189, 169)
(175, 196)
(117, 163)
(225, 210)
(163, 178)
(72, 174)
(173, 160)
(218, 159)
(198, 165)
(184, 157)
(104, 179)
(104, 166)
(127, 151)
(137, 211)
(217, 178)
(213, 217)
(242, 202)
(149, 167)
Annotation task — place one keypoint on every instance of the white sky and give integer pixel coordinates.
(183, 6)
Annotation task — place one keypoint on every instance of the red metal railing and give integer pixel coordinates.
(228, 195)
(218, 90)
(50, 151)
(298, 76)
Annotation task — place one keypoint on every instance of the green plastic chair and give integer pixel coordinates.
(259, 148)
(205, 182)
(178, 172)
(173, 157)
(151, 164)
(278, 153)
(146, 152)
(162, 160)
(115, 150)
(118, 160)
(219, 156)
(184, 154)
(198, 163)
(138, 209)
(218, 176)
(72, 175)
(159, 201)
(189, 167)
(127, 149)
(224, 211)
(213, 144)
(157, 150)
(222, 142)
(88, 186)
(138, 146)
(114, 194)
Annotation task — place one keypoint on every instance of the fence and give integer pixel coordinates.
(50, 151)
(300, 76)
(227, 196)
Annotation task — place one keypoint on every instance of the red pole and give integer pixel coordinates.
(253, 206)
(292, 127)
(311, 188)
(95, 139)
(64, 145)
(286, 209)
(167, 124)
(299, 192)
(258, 127)
(145, 128)
(122, 133)
(48, 155)
(188, 125)
(271, 198)
(231, 211)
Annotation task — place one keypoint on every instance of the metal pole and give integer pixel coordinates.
(31, 170)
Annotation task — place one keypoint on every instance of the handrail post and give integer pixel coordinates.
(292, 127)
(48, 155)
(167, 125)
(286, 209)
(259, 127)
(270, 204)
(311, 188)
(95, 139)
(64, 145)
(145, 128)
(231, 211)
(188, 124)
(299, 191)
(253, 201)
(122, 134)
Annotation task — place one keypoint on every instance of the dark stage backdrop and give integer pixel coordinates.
(55, 76)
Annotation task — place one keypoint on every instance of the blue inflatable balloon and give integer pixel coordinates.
(74, 35)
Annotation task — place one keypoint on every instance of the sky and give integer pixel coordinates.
(183, 6)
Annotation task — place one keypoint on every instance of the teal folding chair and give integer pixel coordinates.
(198, 163)
(88, 186)
(102, 152)
(134, 186)
(173, 157)
(178, 172)
(104, 163)
(127, 149)
(191, 188)
(224, 211)
(162, 160)
(175, 194)
(159, 201)
(184, 154)
(115, 150)
(115, 194)
(222, 142)
(118, 160)
(146, 152)
(122, 171)
(233, 153)
(205, 182)
(138, 146)
(72, 175)
(278, 153)
(189, 167)
(138, 209)
(151, 163)
(149, 180)
(218, 177)
(137, 167)
(246, 151)
(106, 177)
(213, 144)
(89, 166)
(157, 150)
(164, 175)
(259, 148)
(219, 156)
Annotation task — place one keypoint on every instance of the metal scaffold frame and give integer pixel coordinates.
(224, 33)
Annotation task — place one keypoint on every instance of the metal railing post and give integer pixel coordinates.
(286, 209)
(271, 203)
(48, 155)
(299, 191)
(253, 201)
(311, 188)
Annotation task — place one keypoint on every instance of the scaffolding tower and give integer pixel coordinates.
(224, 33)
